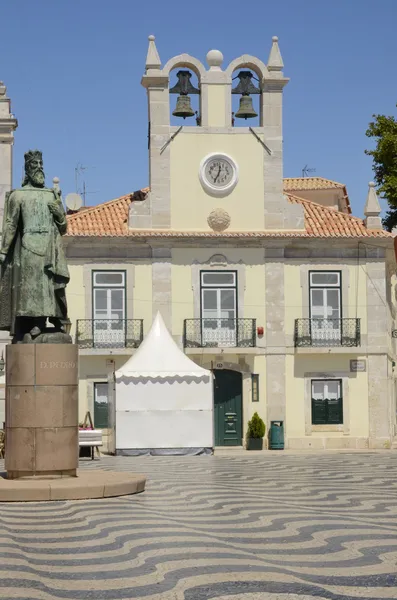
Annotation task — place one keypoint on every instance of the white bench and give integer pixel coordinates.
(91, 438)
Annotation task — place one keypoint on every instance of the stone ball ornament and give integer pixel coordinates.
(214, 59)
(219, 220)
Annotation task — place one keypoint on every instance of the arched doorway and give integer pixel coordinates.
(228, 388)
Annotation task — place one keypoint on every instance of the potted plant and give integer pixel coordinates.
(255, 433)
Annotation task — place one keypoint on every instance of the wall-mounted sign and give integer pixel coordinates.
(394, 333)
(219, 365)
(358, 366)
(255, 387)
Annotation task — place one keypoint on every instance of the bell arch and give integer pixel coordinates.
(186, 89)
(187, 61)
(246, 61)
(249, 67)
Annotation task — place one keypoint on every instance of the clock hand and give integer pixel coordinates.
(217, 174)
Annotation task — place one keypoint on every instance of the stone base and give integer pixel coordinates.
(337, 443)
(41, 410)
(88, 484)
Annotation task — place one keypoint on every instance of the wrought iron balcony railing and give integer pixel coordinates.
(109, 333)
(327, 332)
(219, 333)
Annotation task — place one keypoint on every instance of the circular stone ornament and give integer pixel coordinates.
(218, 220)
(218, 174)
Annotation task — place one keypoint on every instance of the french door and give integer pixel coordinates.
(218, 308)
(327, 403)
(325, 306)
(109, 309)
(101, 404)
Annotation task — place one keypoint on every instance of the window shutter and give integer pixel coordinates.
(319, 412)
(335, 415)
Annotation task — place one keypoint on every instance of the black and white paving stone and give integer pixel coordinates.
(253, 526)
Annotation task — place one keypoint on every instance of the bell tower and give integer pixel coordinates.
(207, 172)
(8, 125)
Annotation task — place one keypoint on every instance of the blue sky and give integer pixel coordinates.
(73, 71)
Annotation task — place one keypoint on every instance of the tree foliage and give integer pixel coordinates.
(384, 131)
(256, 427)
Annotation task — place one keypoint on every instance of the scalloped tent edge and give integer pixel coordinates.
(159, 357)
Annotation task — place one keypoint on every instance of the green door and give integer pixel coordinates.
(228, 408)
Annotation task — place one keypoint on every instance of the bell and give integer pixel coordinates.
(183, 108)
(246, 110)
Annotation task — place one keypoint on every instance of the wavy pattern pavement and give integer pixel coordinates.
(243, 527)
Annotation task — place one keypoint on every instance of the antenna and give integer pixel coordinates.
(306, 170)
(73, 202)
(78, 172)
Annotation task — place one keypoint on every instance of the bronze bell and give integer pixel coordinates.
(183, 108)
(246, 110)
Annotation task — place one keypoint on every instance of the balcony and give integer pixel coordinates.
(109, 333)
(327, 332)
(219, 333)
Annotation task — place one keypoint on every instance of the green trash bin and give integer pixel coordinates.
(276, 435)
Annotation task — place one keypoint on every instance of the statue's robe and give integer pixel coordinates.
(34, 274)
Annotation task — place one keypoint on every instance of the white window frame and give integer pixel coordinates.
(106, 330)
(225, 332)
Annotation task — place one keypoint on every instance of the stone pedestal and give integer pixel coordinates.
(41, 410)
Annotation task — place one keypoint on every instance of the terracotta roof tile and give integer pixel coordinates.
(111, 220)
(294, 184)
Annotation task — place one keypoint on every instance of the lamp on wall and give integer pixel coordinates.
(2, 363)
(184, 87)
(245, 87)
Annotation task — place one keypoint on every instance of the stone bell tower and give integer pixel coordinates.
(209, 169)
(8, 125)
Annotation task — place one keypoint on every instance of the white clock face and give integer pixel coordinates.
(218, 174)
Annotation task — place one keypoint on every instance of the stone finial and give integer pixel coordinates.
(214, 60)
(275, 62)
(152, 58)
(3, 89)
(372, 209)
(55, 181)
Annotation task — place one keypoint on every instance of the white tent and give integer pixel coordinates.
(163, 402)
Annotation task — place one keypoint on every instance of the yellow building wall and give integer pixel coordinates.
(191, 205)
(217, 105)
(75, 295)
(182, 290)
(142, 294)
(293, 296)
(298, 365)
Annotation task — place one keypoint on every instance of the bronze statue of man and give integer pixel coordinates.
(34, 272)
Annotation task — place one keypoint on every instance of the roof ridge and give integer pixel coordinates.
(104, 204)
(316, 177)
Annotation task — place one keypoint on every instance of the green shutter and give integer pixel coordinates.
(319, 412)
(335, 411)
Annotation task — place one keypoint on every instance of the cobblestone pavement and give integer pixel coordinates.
(245, 527)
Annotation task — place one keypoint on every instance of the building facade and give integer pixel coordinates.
(269, 282)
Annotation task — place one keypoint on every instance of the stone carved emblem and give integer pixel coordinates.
(219, 219)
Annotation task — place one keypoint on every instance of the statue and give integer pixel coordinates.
(34, 272)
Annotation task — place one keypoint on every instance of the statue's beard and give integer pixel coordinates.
(37, 178)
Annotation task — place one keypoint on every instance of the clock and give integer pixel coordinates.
(218, 174)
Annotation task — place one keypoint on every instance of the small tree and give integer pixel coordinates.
(384, 130)
(256, 427)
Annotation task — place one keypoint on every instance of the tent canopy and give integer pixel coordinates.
(159, 357)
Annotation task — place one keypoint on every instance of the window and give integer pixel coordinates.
(327, 404)
(108, 295)
(101, 403)
(219, 307)
(325, 305)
